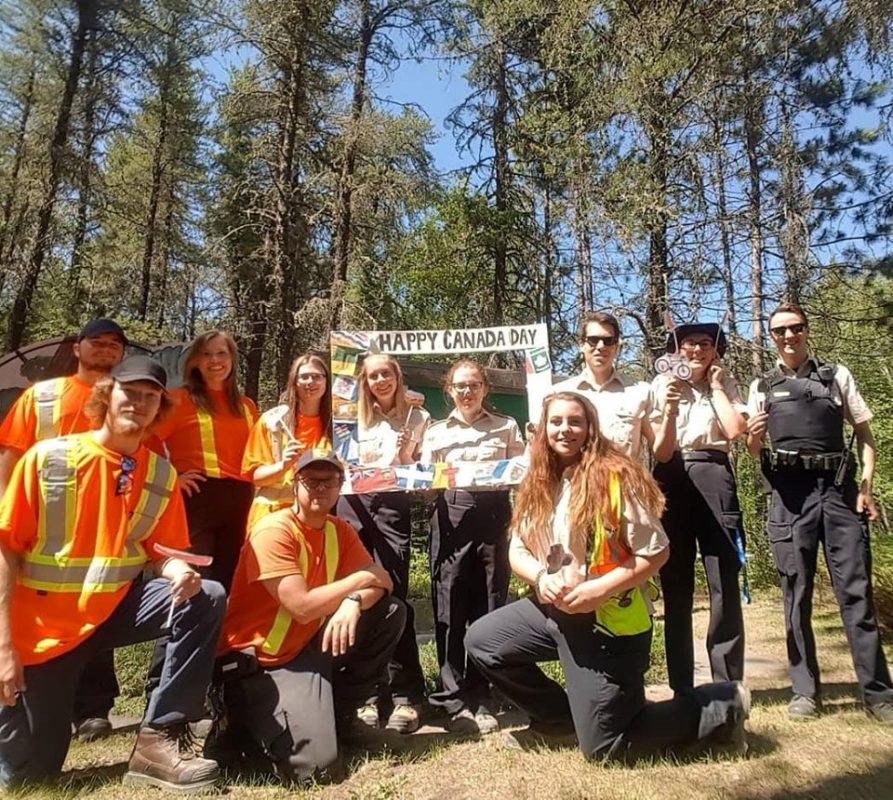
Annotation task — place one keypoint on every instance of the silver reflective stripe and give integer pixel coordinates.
(58, 483)
(46, 396)
(72, 576)
(153, 500)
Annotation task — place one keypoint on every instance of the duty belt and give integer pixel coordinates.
(807, 462)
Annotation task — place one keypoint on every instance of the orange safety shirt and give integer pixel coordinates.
(47, 409)
(99, 527)
(278, 546)
(210, 443)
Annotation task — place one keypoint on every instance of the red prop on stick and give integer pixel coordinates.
(193, 559)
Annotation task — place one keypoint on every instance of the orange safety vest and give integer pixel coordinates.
(48, 407)
(47, 566)
(206, 432)
(283, 620)
(625, 613)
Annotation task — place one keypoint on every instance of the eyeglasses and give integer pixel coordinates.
(471, 386)
(702, 344)
(607, 341)
(311, 377)
(321, 484)
(796, 329)
(125, 480)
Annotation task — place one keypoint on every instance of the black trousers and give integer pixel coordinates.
(703, 515)
(806, 510)
(384, 524)
(469, 578)
(605, 680)
(97, 688)
(290, 712)
(217, 517)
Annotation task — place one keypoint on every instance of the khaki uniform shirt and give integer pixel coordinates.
(378, 442)
(491, 437)
(843, 390)
(623, 404)
(697, 426)
(641, 532)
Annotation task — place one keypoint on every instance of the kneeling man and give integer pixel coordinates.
(308, 633)
(79, 523)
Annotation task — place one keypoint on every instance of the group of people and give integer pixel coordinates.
(132, 513)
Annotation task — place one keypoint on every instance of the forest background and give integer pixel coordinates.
(186, 164)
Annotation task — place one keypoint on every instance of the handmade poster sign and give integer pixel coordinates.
(348, 349)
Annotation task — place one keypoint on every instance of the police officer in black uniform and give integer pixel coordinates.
(797, 411)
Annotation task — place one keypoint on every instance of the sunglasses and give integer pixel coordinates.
(796, 329)
(320, 484)
(125, 480)
(607, 341)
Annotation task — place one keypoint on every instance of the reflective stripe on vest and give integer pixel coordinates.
(48, 567)
(209, 447)
(283, 620)
(625, 613)
(48, 407)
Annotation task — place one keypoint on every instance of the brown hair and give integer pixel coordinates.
(290, 395)
(590, 490)
(366, 400)
(602, 318)
(195, 384)
(97, 405)
(789, 308)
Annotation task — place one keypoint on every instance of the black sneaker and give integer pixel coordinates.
(93, 728)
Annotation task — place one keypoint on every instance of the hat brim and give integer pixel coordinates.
(140, 376)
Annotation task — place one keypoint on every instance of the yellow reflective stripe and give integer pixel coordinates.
(155, 495)
(282, 622)
(100, 572)
(48, 407)
(209, 451)
(331, 551)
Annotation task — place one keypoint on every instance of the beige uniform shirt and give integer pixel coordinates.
(641, 532)
(378, 442)
(697, 426)
(491, 437)
(623, 404)
(843, 390)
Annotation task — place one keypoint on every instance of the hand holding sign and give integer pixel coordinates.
(194, 560)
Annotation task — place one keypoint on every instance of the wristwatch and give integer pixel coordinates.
(356, 597)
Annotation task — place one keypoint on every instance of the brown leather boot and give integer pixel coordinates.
(166, 757)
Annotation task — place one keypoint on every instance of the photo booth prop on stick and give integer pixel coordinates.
(350, 347)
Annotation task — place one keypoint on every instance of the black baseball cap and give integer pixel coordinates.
(100, 325)
(140, 368)
(317, 456)
(711, 329)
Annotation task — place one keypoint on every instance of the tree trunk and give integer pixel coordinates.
(723, 220)
(501, 163)
(344, 204)
(658, 267)
(7, 240)
(753, 118)
(167, 233)
(87, 17)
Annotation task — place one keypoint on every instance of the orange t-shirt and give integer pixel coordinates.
(182, 436)
(273, 550)
(46, 625)
(19, 428)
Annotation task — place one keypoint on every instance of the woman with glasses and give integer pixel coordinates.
(301, 422)
(695, 422)
(469, 546)
(586, 538)
(391, 424)
(205, 437)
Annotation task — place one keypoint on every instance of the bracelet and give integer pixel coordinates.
(539, 577)
(356, 597)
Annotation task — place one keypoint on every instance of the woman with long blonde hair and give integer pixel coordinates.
(300, 422)
(586, 537)
(391, 423)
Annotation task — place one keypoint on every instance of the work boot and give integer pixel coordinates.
(92, 728)
(166, 758)
(405, 718)
(802, 707)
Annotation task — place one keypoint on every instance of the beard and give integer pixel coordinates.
(125, 426)
(102, 363)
